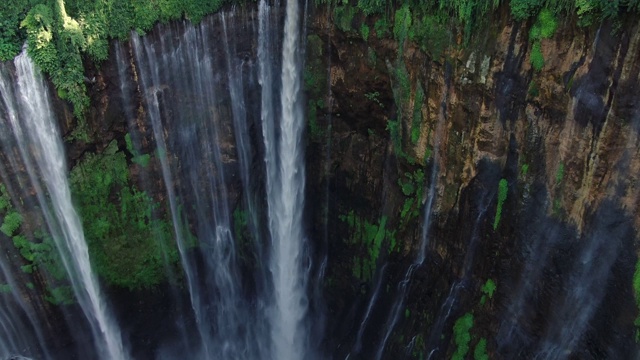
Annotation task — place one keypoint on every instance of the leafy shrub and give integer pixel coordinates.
(524, 9)
(127, 240)
(11, 223)
(370, 7)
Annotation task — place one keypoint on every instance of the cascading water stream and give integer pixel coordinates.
(40, 147)
(285, 195)
(449, 305)
(403, 286)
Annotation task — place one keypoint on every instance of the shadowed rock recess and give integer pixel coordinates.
(287, 180)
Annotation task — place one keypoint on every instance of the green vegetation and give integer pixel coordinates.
(240, 222)
(416, 122)
(61, 295)
(524, 169)
(503, 188)
(343, 17)
(370, 7)
(480, 352)
(5, 289)
(374, 96)
(537, 59)
(128, 241)
(487, 291)
(396, 135)
(11, 223)
(364, 31)
(462, 336)
(140, 159)
(315, 84)
(544, 28)
(533, 90)
(37, 250)
(370, 237)
(560, 173)
(636, 292)
(381, 27)
(402, 24)
(413, 188)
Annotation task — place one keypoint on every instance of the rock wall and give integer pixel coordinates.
(565, 139)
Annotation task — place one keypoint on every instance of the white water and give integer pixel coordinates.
(285, 194)
(36, 133)
(195, 66)
(358, 346)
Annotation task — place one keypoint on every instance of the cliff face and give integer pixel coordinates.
(564, 138)
(527, 178)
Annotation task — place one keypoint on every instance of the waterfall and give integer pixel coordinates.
(403, 286)
(39, 143)
(285, 194)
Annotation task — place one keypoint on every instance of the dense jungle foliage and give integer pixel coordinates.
(61, 32)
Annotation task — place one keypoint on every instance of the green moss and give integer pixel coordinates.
(503, 188)
(487, 291)
(368, 238)
(548, 23)
(381, 27)
(364, 31)
(536, 58)
(240, 222)
(560, 173)
(5, 200)
(480, 352)
(636, 292)
(533, 90)
(462, 336)
(371, 7)
(343, 17)
(402, 24)
(61, 295)
(5, 289)
(416, 122)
